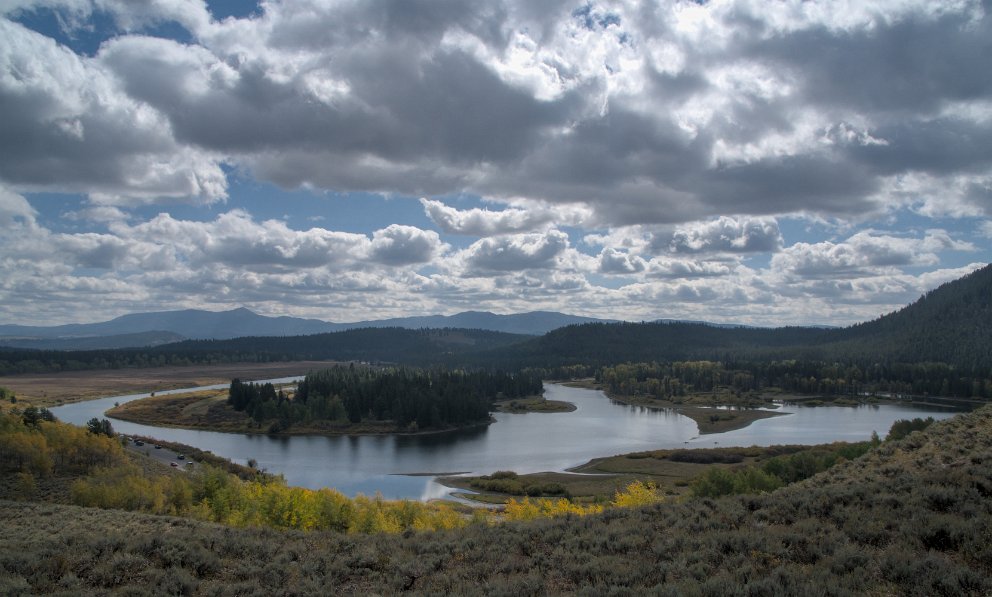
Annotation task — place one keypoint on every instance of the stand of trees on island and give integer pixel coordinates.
(412, 399)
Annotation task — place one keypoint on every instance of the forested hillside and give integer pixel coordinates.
(950, 324)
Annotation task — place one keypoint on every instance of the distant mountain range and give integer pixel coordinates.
(139, 339)
(950, 324)
(153, 329)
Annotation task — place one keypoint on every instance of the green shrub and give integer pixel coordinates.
(903, 427)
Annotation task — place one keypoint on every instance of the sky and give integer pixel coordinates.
(737, 161)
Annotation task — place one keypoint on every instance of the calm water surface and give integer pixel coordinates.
(405, 466)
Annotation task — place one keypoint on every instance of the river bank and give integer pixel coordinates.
(599, 479)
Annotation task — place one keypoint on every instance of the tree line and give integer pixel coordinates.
(422, 347)
(412, 399)
(672, 379)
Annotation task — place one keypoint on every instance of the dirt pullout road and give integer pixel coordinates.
(53, 389)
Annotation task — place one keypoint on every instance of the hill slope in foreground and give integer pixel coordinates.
(912, 517)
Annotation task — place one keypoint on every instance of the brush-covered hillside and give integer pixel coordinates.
(912, 517)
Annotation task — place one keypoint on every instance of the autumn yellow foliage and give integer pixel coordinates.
(215, 495)
(635, 494)
(50, 446)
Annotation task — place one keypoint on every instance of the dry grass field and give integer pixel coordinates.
(206, 409)
(53, 389)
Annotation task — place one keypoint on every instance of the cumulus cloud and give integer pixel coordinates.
(676, 136)
(404, 245)
(68, 126)
(167, 262)
(663, 114)
(235, 239)
(516, 252)
(483, 222)
(663, 267)
(864, 254)
(15, 209)
(612, 261)
(728, 235)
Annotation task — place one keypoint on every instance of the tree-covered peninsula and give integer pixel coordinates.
(402, 398)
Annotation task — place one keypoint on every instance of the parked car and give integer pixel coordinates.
(174, 464)
(180, 457)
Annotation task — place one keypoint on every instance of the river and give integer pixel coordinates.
(406, 466)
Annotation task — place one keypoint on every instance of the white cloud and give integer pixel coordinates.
(404, 245)
(68, 126)
(15, 209)
(97, 214)
(663, 267)
(483, 222)
(165, 263)
(864, 254)
(665, 114)
(675, 135)
(612, 261)
(512, 253)
(132, 15)
(728, 235)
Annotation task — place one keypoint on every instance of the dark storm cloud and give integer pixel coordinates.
(911, 65)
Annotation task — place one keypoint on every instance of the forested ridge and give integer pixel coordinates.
(950, 324)
(391, 345)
